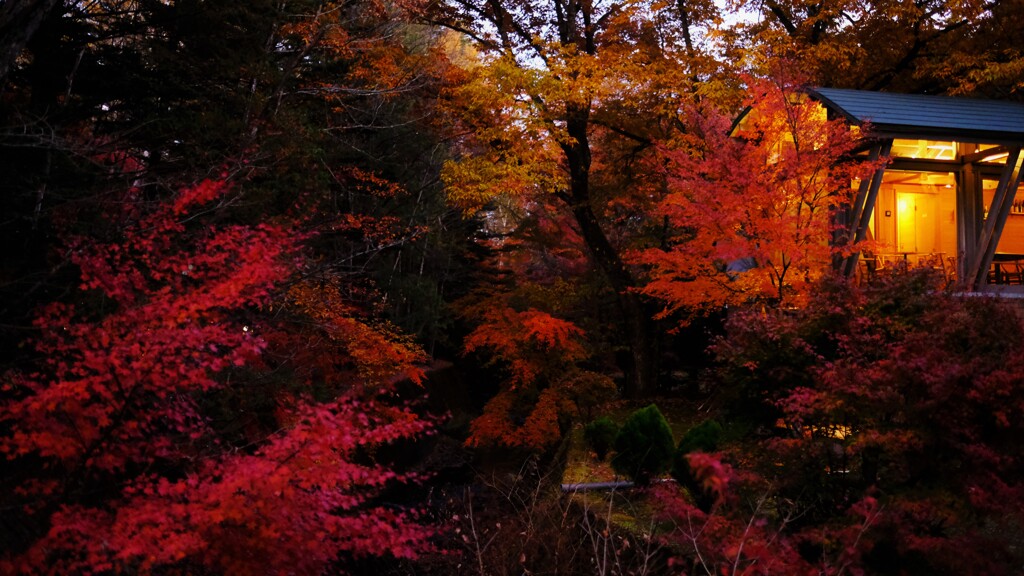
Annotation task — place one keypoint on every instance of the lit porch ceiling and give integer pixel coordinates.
(943, 118)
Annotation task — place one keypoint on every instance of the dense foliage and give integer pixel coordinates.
(327, 287)
(198, 372)
(893, 450)
(705, 438)
(126, 455)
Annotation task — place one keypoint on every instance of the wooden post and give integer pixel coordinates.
(864, 204)
(996, 219)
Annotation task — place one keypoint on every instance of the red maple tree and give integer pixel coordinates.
(752, 207)
(127, 458)
(544, 386)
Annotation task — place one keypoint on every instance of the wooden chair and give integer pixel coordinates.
(1013, 273)
(884, 264)
(937, 261)
(933, 261)
(995, 273)
(1006, 272)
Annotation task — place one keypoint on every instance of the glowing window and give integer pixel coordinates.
(924, 149)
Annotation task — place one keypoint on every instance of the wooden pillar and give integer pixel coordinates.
(969, 207)
(992, 228)
(864, 205)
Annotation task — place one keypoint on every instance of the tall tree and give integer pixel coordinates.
(318, 99)
(554, 75)
(211, 354)
(930, 46)
(751, 214)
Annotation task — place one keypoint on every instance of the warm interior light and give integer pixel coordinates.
(996, 157)
(943, 148)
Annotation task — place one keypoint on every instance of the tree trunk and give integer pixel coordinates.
(637, 324)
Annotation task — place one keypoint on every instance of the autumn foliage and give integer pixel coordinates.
(225, 377)
(544, 387)
(752, 207)
(126, 458)
(895, 448)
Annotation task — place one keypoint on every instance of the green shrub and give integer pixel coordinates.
(600, 436)
(644, 445)
(703, 437)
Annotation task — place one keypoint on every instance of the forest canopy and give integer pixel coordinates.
(286, 285)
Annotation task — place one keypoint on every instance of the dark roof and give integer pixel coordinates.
(915, 115)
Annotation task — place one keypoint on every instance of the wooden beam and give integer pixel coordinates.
(869, 202)
(998, 211)
(1004, 211)
(862, 193)
(925, 165)
(979, 156)
(968, 209)
(864, 205)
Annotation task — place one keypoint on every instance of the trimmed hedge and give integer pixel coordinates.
(644, 446)
(703, 437)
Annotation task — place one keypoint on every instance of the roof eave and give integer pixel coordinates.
(954, 134)
(832, 106)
